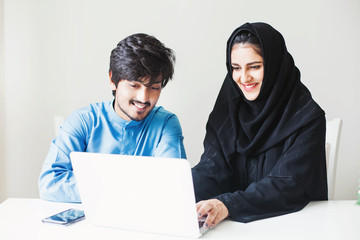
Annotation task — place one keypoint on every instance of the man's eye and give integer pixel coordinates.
(133, 85)
(155, 88)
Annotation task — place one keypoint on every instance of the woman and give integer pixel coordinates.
(265, 138)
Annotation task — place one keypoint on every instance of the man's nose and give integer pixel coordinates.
(143, 95)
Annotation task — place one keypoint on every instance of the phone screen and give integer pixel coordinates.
(66, 217)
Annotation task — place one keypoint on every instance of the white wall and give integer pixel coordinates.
(2, 105)
(57, 54)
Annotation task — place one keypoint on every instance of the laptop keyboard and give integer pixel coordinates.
(202, 228)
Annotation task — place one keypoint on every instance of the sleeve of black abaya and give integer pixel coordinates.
(298, 177)
(211, 174)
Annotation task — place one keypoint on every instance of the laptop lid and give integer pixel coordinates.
(137, 193)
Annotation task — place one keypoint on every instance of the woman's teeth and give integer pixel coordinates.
(250, 86)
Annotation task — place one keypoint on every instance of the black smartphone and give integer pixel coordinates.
(66, 217)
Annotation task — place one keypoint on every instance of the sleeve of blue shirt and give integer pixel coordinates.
(56, 182)
(171, 143)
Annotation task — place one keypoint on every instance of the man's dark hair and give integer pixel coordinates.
(141, 55)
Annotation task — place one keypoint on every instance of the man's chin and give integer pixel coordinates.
(139, 116)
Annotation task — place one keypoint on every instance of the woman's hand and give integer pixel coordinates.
(214, 210)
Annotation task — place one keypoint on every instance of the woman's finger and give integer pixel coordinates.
(203, 208)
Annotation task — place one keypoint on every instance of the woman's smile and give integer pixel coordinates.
(250, 87)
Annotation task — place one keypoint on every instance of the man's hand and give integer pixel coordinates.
(214, 210)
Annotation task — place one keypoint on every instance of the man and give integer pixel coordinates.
(140, 66)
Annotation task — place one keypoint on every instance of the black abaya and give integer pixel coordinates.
(265, 157)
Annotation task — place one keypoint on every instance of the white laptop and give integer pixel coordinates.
(137, 193)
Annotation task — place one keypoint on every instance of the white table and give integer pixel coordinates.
(21, 219)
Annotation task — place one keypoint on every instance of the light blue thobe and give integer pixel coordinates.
(97, 128)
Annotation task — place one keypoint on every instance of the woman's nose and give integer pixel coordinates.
(245, 77)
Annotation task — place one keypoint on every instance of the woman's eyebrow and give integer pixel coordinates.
(255, 62)
(250, 63)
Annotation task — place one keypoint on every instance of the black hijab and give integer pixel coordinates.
(284, 104)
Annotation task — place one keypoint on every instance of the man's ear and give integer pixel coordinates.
(112, 84)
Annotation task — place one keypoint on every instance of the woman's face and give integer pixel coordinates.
(247, 70)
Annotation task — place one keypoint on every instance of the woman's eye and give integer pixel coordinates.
(255, 67)
(235, 68)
